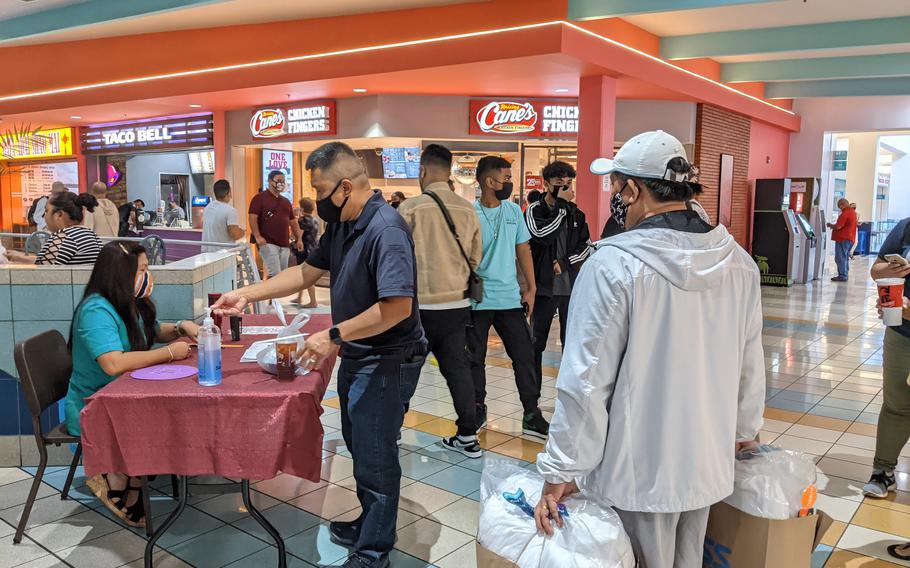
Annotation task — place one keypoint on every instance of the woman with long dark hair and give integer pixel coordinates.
(71, 242)
(113, 332)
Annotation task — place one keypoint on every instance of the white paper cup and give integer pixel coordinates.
(891, 296)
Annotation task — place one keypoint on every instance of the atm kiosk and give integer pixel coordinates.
(777, 240)
(808, 246)
(804, 199)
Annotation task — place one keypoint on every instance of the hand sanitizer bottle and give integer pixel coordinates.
(209, 340)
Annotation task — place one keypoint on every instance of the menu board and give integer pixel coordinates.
(37, 180)
(282, 161)
(401, 163)
(202, 162)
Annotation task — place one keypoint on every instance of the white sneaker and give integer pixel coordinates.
(467, 445)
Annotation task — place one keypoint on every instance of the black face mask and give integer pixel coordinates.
(395, 204)
(556, 189)
(506, 191)
(619, 209)
(328, 211)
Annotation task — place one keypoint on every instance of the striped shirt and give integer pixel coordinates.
(72, 245)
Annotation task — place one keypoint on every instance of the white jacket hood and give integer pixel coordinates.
(662, 371)
(690, 261)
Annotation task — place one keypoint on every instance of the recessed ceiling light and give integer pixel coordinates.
(195, 106)
(561, 90)
(74, 117)
(360, 90)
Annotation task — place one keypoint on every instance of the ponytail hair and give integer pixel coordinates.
(72, 204)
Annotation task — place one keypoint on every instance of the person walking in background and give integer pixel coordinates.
(368, 250)
(270, 216)
(445, 262)
(843, 233)
(129, 218)
(35, 213)
(560, 243)
(505, 244)
(649, 412)
(309, 229)
(894, 419)
(397, 199)
(70, 242)
(105, 219)
(219, 218)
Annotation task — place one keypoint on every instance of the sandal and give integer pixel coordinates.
(893, 551)
(129, 515)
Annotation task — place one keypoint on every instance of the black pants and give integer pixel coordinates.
(513, 329)
(446, 334)
(542, 318)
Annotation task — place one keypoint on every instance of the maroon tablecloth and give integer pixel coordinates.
(251, 426)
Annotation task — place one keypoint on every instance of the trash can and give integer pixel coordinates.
(863, 238)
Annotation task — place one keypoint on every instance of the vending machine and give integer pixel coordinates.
(777, 240)
(808, 249)
(820, 227)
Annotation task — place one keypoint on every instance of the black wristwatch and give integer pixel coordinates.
(335, 336)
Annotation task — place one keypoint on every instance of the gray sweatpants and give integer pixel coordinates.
(667, 540)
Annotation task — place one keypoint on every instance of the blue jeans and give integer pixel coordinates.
(373, 400)
(842, 257)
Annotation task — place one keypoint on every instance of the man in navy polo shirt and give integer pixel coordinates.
(368, 250)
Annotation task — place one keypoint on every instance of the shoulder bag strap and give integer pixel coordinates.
(451, 224)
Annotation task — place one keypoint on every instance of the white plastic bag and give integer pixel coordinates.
(268, 357)
(592, 535)
(773, 483)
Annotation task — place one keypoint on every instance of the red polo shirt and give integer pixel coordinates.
(275, 215)
(845, 229)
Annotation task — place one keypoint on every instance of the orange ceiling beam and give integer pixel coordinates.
(70, 63)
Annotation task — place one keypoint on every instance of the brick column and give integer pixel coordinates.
(597, 110)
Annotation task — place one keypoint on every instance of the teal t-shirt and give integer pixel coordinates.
(502, 229)
(97, 329)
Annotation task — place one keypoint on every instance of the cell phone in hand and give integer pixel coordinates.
(897, 259)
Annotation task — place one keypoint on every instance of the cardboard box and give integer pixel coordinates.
(487, 559)
(739, 540)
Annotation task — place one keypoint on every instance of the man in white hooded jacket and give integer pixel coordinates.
(662, 377)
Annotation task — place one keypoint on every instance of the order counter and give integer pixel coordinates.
(176, 251)
(34, 299)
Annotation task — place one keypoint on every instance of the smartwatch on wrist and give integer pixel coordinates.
(179, 327)
(335, 336)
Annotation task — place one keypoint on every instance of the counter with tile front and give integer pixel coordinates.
(34, 299)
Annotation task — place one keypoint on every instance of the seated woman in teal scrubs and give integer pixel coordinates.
(113, 332)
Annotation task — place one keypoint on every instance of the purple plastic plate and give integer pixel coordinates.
(164, 373)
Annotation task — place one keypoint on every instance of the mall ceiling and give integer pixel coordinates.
(800, 48)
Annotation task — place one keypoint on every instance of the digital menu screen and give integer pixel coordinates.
(401, 163)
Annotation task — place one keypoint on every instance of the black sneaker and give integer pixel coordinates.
(535, 425)
(481, 416)
(355, 561)
(467, 445)
(345, 533)
(881, 483)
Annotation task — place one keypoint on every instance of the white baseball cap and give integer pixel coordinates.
(645, 155)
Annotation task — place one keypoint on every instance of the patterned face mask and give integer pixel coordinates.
(144, 285)
(619, 209)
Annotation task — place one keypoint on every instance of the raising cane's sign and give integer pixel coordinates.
(295, 120)
(527, 118)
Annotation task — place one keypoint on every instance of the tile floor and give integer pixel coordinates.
(823, 350)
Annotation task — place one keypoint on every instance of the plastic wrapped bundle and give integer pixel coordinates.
(268, 358)
(592, 535)
(773, 483)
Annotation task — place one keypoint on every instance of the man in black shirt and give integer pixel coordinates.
(559, 245)
(368, 250)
